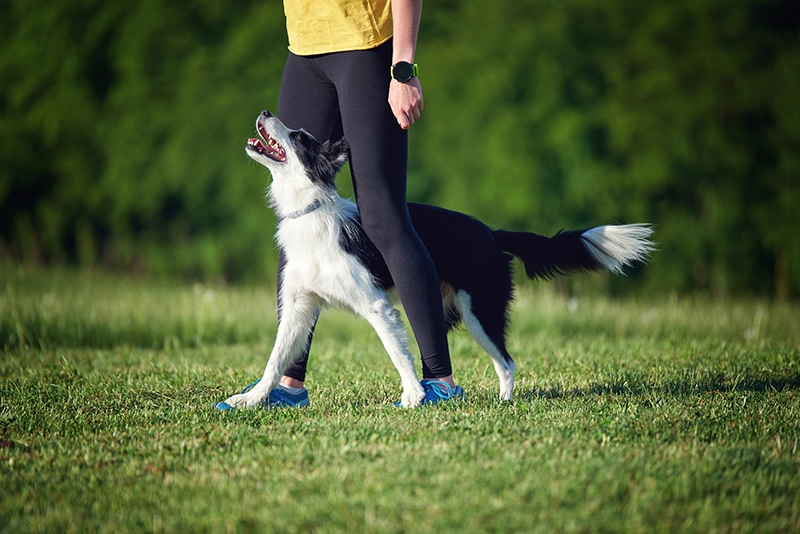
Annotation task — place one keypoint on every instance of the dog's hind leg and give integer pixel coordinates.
(391, 330)
(297, 320)
(491, 338)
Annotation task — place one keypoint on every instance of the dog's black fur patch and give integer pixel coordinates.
(467, 254)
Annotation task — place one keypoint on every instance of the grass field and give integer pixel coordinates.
(659, 415)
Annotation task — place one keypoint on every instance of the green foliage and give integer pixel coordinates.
(641, 415)
(679, 113)
(124, 130)
(122, 127)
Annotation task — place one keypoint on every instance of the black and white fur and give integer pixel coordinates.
(330, 261)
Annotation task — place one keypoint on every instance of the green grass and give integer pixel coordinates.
(657, 415)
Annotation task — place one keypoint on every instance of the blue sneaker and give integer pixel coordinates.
(437, 391)
(278, 398)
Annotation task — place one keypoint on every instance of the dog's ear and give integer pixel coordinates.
(337, 152)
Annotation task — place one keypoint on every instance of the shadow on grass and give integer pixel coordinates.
(632, 387)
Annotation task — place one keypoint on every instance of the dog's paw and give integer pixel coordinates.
(411, 398)
(244, 400)
(507, 390)
(506, 376)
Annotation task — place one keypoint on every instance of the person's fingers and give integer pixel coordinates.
(406, 102)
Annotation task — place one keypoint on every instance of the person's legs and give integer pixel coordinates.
(317, 94)
(379, 149)
(307, 100)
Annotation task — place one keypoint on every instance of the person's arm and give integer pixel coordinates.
(405, 98)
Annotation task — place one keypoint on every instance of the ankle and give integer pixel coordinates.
(292, 382)
(446, 379)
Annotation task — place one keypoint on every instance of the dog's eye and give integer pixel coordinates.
(300, 138)
(304, 139)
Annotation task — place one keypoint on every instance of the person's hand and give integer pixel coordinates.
(405, 99)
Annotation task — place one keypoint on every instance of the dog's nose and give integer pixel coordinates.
(266, 114)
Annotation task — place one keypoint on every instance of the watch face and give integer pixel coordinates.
(402, 71)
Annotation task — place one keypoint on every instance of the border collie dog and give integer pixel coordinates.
(330, 261)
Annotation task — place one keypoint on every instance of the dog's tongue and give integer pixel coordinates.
(271, 149)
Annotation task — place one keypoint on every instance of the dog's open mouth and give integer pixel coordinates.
(269, 147)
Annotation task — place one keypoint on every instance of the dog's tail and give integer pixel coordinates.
(604, 248)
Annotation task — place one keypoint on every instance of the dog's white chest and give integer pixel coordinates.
(316, 263)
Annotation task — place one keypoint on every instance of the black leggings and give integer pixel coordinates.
(346, 93)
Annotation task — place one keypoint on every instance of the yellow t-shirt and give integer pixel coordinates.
(322, 26)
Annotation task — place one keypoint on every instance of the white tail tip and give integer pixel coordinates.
(618, 246)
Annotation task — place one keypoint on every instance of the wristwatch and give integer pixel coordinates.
(402, 71)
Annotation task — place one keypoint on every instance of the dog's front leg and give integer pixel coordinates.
(297, 320)
(385, 319)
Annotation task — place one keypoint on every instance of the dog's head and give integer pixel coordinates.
(295, 153)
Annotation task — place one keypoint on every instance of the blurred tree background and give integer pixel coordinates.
(123, 126)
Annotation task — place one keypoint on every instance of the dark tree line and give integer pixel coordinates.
(122, 127)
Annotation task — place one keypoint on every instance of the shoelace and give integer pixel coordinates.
(248, 387)
(441, 389)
